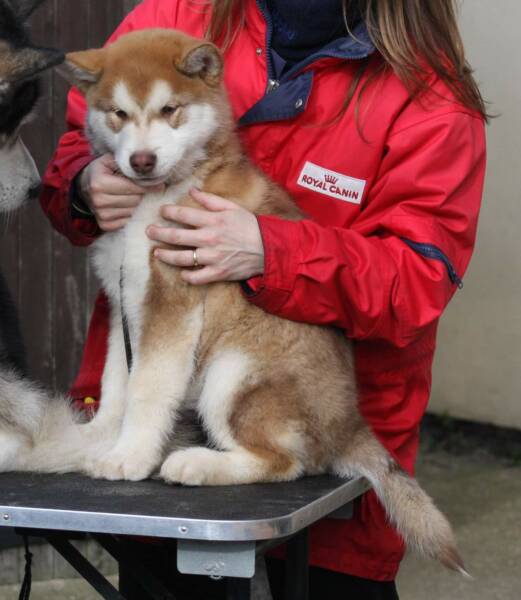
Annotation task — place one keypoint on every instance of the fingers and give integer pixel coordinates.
(211, 201)
(112, 214)
(109, 161)
(106, 182)
(102, 201)
(111, 197)
(207, 259)
(185, 258)
(210, 274)
(112, 225)
(194, 217)
(182, 237)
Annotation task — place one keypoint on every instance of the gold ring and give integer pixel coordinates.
(196, 262)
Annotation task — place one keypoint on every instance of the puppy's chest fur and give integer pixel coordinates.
(122, 259)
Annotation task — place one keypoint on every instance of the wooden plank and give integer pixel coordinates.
(68, 262)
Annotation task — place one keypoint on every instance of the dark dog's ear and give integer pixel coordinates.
(203, 61)
(83, 69)
(25, 8)
(17, 64)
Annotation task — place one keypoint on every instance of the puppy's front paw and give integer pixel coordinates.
(121, 464)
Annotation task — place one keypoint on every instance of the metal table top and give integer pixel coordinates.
(152, 508)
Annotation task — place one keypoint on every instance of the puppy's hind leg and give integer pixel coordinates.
(204, 466)
(108, 420)
(240, 419)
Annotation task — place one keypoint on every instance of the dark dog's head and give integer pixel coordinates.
(20, 64)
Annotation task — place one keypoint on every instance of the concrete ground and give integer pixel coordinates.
(482, 498)
(479, 490)
(59, 589)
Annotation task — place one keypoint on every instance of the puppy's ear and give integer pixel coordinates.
(24, 63)
(25, 8)
(204, 61)
(83, 69)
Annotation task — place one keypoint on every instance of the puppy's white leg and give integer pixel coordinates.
(156, 391)
(107, 422)
(157, 387)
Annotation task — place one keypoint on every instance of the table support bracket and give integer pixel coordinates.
(216, 559)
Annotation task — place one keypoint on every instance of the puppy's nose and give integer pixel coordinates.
(143, 162)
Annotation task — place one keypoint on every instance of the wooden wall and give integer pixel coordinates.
(50, 280)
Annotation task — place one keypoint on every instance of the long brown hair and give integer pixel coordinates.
(412, 36)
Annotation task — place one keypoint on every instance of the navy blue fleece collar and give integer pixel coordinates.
(355, 46)
(289, 88)
(302, 28)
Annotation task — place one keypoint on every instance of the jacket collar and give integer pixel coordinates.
(288, 90)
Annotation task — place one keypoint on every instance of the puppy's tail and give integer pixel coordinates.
(423, 527)
(38, 431)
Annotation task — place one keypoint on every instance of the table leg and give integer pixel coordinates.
(84, 567)
(297, 567)
(238, 589)
(128, 586)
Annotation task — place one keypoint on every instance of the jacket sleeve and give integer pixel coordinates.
(393, 272)
(73, 153)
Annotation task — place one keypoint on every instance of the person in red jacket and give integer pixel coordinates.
(367, 113)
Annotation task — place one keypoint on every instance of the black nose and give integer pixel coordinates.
(143, 163)
(34, 191)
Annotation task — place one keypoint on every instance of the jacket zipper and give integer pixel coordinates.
(273, 83)
(433, 252)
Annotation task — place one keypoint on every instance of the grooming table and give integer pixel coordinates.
(219, 530)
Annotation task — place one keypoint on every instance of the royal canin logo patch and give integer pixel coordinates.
(330, 183)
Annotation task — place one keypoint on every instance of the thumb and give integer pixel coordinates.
(109, 162)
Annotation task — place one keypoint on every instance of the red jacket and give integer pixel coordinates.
(392, 203)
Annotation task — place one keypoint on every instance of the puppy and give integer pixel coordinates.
(277, 399)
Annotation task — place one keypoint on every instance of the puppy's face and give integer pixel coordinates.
(155, 101)
(20, 63)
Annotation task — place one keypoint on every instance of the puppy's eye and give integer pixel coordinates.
(168, 111)
(120, 114)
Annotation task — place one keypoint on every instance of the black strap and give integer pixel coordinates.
(25, 591)
(124, 322)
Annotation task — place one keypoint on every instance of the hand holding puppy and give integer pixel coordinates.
(110, 196)
(225, 236)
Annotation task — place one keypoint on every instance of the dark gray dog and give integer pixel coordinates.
(22, 405)
(20, 62)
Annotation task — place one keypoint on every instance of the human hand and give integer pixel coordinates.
(111, 197)
(225, 236)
